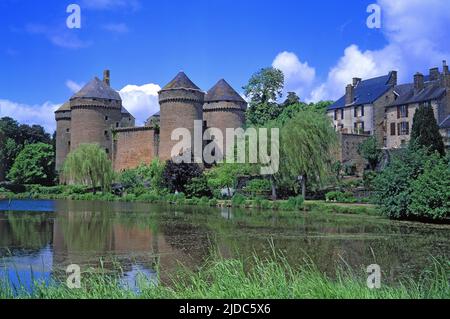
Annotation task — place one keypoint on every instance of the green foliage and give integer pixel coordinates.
(412, 174)
(258, 187)
(370, 151)
(15, 137)
(263, 89)
(198, 187)
(425, 131)
(177, 176)
(340, 197)
(238, 200)
(89, 165)
(293, 203)
(430, 192)
(34, 165)
(225, 175)
(143, 177)
(307, 141)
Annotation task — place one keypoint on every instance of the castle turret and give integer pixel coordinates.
(181, 104)
(224, 108)
(96, 111)
(63, 124)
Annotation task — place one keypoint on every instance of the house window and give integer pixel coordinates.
(106, 118)
(359, 111)
(106, 133)
(68, 143)
(335, 115)
(403, 128)
(359, 127)
(402, 112)
(392, 129)
(342, 114)
(107, 150)
(67, 130)
(117, 124)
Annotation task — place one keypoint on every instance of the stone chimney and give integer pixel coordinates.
(107, 77)
(393, 80)
(356, 81)
(418, 82)
(434, 74)
(445, 75)
(349, 94)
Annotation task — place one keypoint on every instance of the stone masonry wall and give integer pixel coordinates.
(134, 146)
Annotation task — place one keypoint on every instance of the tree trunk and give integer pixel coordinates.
(274, 189)
(304, 186)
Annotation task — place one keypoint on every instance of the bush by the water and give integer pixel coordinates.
(340, 197)
(416, 184)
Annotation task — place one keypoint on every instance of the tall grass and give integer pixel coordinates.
(232, 278)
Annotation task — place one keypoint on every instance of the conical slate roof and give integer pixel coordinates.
(97, 89)
(222, 91)
(181, 81)
(64, 108)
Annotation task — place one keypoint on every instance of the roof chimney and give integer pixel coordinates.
(393, 80)
(418, 82)
(349, 94)
(107, 77)
(445, 67)
(434, 74)
(356, 81)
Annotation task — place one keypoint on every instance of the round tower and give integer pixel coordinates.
(224, 108)
(96, 111)
(63, 125)
(181, 104)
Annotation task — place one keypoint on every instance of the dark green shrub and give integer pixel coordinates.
(238, 200)
(198, 187)
(213, 202)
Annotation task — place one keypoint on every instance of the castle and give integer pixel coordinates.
(95, 115)
(382, 108)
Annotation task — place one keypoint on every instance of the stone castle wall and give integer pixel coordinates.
(224, 115)
(63, 139)
(179, 109)
(348, 151)
(134, 146)
(93, 123)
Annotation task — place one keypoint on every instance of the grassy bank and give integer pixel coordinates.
(293, 204)
(272, 278)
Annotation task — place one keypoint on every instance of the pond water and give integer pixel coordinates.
(39, 239)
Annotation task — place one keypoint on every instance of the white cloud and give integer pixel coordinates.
(299, 76)
(42, 114)
(116, 27)
(61, 37)
(73, 86)
(417, 35)
(141, 101)
(110, 4)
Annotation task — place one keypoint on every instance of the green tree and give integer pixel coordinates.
(411, 187)
(430, 192)
(16, 137)
(370, 152)
(425, 130)
(292, 98)
(89, 165)
(2, 160)
(263, 90)
(34, 165)
(225, 175)
(307, 141)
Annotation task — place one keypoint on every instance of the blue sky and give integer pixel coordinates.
(320, 45)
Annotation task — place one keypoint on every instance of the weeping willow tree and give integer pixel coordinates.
(88, 165)
(307, 143)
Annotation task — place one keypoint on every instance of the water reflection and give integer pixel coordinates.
(139, 239)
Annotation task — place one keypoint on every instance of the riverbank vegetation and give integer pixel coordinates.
(247, 279)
